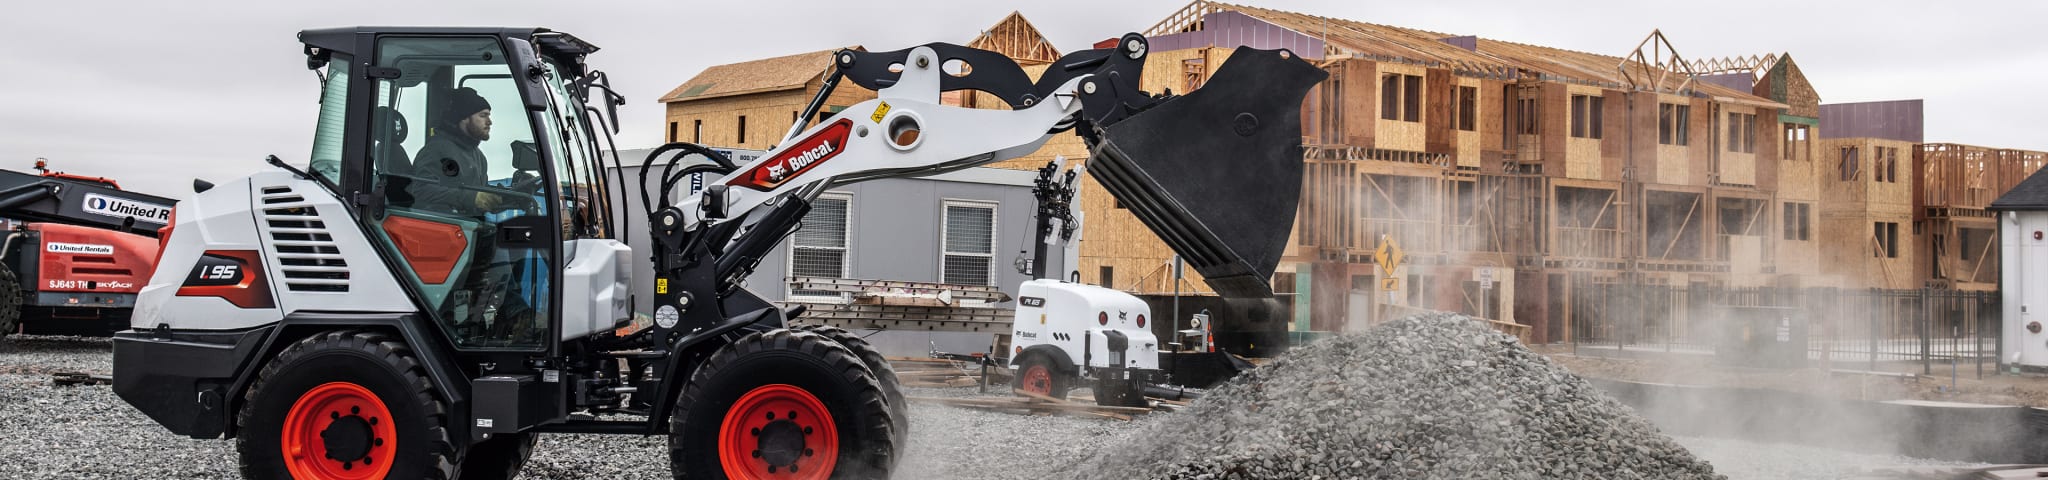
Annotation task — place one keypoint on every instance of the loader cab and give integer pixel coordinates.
(469, 163)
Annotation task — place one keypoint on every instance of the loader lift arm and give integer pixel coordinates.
(705, 246)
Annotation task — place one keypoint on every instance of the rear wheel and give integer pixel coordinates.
(10, 302)
(345, 405)
(1120, 393)
(499, 458)
(884, 373)
(1040, 376)
(782, 404)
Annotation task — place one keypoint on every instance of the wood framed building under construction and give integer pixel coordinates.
(1547, 174)
(1519, 181)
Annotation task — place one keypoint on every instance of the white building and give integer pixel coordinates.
(2023, 272)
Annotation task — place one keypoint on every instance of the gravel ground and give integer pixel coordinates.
(49, 432)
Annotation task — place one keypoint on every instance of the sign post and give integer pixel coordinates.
(1485, 290)
(1389, 257)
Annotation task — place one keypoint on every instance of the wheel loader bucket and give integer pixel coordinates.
(1217, 173)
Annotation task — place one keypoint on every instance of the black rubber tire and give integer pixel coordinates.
(1062, 382)
(10, 302)
(892, 388)
(498, 458)
(1119, 393)
(817, 365)
(375, 361)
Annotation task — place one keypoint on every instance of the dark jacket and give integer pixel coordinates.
(449, 161)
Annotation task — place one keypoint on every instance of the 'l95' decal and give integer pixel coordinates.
(232, 275)
(216, 270)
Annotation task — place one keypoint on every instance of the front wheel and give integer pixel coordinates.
(345, 405)
(884, 373)
(782, 404)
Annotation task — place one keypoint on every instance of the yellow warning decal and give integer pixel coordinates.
(879, 112)
(660, 286)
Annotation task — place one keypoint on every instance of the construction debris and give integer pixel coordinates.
(1035, 404)
(1428, 396)
(936, 373)
(65, 379)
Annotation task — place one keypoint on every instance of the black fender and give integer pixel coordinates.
(685, 352)
(432, 351)
(1059, 358)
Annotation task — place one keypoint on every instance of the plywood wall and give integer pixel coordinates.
(768, 115)
(1396, 134)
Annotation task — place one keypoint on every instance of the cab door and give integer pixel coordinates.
(463, 206)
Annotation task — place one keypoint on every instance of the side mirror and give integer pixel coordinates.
(714, 202)
(525, 156)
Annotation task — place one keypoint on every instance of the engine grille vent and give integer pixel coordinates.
(305, 251)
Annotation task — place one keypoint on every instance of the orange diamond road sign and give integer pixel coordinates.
(1389, 255)
(1391, 284)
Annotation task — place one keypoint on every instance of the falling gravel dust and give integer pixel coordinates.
(1428, 396)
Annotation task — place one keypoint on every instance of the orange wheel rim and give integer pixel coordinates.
(339, 431)
(778, 432)
(1038, 379)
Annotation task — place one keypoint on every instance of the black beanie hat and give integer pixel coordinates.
(464, 102)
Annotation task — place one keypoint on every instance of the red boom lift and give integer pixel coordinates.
(76, 252)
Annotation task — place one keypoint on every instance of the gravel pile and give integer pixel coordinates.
(1428, 396)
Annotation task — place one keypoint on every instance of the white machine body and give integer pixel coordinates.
(231, 236)
(1080, 320)
(235, 227)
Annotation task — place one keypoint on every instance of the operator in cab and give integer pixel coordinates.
(453, 156)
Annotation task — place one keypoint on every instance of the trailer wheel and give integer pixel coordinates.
(782, 404)
(345, 405)
(499, 458)
(10, 302)
(1120, 393)
(884, 373)
(1038, 375)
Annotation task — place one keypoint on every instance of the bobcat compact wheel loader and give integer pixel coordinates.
(444, 282)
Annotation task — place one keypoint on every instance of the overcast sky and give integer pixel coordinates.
(156, 93)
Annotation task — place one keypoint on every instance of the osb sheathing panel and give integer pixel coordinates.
(1800, 179)
(1647, 157)
(1786, 84)
(1614, 132)
(1553, 127)
(1865, 193)
(1361, 102)
(1849, 249)
(1769, 137)
(1436, 112)
(767, 118)
(1582, 155)
(1491, 112)
(1702, 137)
(1470, 143)
(1736, 167)
(1796, 257)
(1396, 134)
